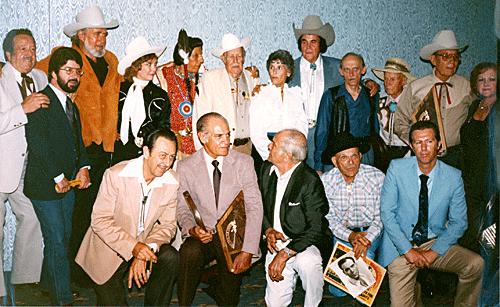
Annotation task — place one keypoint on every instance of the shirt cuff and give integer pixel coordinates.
(59, 178)
(153, 246)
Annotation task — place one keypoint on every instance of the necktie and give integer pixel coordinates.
(444, 95)
(420, 232)
(26, 84)
(217, 175)
(70, 114)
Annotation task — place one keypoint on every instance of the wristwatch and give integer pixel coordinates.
(288, 251)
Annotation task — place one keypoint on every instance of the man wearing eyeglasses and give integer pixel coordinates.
(56, 156)
(453, 93)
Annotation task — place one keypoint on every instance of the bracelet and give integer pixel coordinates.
(288, 251)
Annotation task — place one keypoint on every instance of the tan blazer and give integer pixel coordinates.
(112, 234)
(215, 96)
(237, 174)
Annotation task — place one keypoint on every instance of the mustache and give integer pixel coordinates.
(28, 58)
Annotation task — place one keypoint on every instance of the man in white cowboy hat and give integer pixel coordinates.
(227, 91)
(316, 73)
(395, 74)
(444, 53)
(19, 86)
(99, 89)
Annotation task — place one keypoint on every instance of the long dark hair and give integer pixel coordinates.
(187, 43)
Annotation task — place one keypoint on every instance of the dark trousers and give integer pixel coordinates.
(159, 287)
(194, 256)
(99, 161)
(55, 222)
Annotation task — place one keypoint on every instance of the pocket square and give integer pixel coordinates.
(293, 204)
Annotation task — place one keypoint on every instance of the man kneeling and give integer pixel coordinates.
(133, 221)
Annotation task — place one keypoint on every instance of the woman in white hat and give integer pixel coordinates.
(181, 83)
(143, 106)
(276, 106)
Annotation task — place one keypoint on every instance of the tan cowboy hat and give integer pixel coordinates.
(89, 18)
(313, 25)
(443, 40)
(230, 42)
(396, 66)
(137, 48)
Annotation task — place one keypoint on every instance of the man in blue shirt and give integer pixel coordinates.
(351, 107)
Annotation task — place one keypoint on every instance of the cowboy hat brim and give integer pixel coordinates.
(245, 43)
(73, 28)
(428, 50)
(326, 32)
(379, 73)
(128, 59)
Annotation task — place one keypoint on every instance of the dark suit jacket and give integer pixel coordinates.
(302, 211)
(52, 148)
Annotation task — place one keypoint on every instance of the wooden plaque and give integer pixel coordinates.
(231, 229)
(429, 110)
(196, 213)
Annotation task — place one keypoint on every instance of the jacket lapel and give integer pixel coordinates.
(134, 199)
(291, 188)
(434, 197)
(203, 180)
(12, 87)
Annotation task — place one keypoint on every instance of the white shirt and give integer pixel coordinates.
(135, 169)
(269, 113)
(313, 86)
(280, 191)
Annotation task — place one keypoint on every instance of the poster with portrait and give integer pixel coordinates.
(360, 278)
(428, 110)
(231, 229)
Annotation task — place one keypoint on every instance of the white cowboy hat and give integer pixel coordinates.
(230, 42)
(137, 48)
(396, 66)
(313, 25)
(443, 40)
(89, 18)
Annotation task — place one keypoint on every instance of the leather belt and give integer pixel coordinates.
(359, 229)
(240, 142)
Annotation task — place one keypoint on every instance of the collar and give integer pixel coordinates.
(452, 80)
(60, 95)
(286, 175)
(17, 74)
(431, 175)
(305, 64)
(209, 159)
(134, 169)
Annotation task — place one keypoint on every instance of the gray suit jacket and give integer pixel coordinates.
(331, 74)
(13, 145)
(237, 174)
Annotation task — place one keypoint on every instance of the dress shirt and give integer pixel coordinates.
(359, 112)
(269, 113)
(210, 167)
(241, 97)
(386, 120)
(430, 181)
(453, 114)
(312, 95)
(280, 191)
(134, 169)
(19, 79)
(356, 204)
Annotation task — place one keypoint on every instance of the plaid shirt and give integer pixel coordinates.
(356, 204)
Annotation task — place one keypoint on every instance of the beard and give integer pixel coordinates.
(93, 51)
(65, 85)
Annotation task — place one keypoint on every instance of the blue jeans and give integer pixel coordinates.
(55, 221)
(370, 254)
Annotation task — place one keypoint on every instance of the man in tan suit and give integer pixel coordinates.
(198, 175)
(133, 222)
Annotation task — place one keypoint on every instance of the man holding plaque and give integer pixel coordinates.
(214, 176)
(294, 221)
(452, 91)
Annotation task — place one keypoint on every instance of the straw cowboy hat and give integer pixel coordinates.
(396, 66)
(89, 18)
(313, 25)
(443, 40)
(230, 42)
(137, 48)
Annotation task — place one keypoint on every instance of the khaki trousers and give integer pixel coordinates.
(461, 261)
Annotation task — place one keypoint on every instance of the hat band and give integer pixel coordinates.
(396, 66)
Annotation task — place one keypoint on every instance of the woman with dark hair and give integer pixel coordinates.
(143, 107)
(475, 136)
(276, 106)
(180, 82)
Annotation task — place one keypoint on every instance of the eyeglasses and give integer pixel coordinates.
(448, 56)
(69, 71)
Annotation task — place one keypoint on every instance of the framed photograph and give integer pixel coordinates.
(361, 278)
(231, 229)
(428, 110)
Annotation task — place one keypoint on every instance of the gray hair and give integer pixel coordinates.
(358, 56)
(202, 123)
(294, 142)
(76, 40)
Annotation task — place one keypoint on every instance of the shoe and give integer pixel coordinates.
(210, 291)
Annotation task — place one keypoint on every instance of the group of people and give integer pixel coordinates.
(89, 144)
